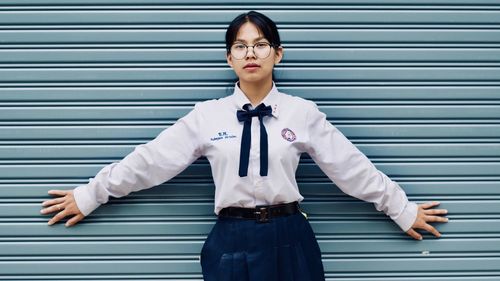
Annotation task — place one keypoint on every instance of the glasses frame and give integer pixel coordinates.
(247, 46)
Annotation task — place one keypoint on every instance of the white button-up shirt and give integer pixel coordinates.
(212, 130)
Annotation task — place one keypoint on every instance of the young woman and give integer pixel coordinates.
(260, 233)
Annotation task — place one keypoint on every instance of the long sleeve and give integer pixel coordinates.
(353, 172)
(150, 164)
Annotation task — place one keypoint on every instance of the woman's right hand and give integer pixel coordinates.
(65, 205)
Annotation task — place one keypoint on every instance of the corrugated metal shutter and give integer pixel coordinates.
(414, 84)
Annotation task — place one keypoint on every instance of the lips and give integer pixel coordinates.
(251, 65)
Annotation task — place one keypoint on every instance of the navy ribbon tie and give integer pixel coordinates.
(246, 116)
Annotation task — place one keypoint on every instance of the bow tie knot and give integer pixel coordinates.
(246, 116)
(260, 111)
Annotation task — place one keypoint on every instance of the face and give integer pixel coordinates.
(250, 35)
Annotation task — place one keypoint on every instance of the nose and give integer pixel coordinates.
(248, 52)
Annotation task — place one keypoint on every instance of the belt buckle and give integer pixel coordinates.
(262, 215)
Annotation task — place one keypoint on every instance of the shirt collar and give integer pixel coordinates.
(272, 98)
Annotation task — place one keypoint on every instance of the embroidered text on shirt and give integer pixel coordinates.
(222, 135)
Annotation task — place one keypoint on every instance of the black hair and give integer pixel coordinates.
(263, 23)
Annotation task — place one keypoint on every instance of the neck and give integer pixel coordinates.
(256, 92)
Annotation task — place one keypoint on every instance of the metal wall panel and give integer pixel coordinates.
(414, 84)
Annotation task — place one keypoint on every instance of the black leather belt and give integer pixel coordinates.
(261, 213)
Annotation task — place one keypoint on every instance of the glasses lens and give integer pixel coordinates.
(261, 50)
(239, 51)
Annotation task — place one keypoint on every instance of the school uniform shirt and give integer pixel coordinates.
(212, 130)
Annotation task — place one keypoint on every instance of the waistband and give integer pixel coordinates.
(261, 213)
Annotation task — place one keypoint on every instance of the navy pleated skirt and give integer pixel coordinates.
(283, 249)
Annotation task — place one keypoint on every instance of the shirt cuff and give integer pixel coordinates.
(85, 200)
(407, 216)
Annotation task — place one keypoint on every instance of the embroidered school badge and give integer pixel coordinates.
(288, 134)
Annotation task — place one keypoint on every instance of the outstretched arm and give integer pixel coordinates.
(356, 175)
(148, 165)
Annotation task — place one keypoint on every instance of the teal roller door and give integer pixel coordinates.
(414, 84)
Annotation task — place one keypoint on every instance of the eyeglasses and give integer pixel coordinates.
(260, 49)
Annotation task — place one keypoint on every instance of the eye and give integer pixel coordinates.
(239, 46)
(261, 45)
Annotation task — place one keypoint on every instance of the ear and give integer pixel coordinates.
(278, 55)
(229, 60)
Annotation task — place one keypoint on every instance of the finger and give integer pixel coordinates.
(57, 217)
(74, 220)
(414, 234)
(432, 230)
(52, 202)
(58, 192)
(435, 219)
(53, 209)
(430, 204)
(436, 212)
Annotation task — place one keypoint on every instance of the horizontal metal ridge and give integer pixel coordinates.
(218, 65)
(223, 3)
(339, 26)
(202, 45)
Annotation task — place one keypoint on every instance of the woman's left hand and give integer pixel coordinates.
(424, 216)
